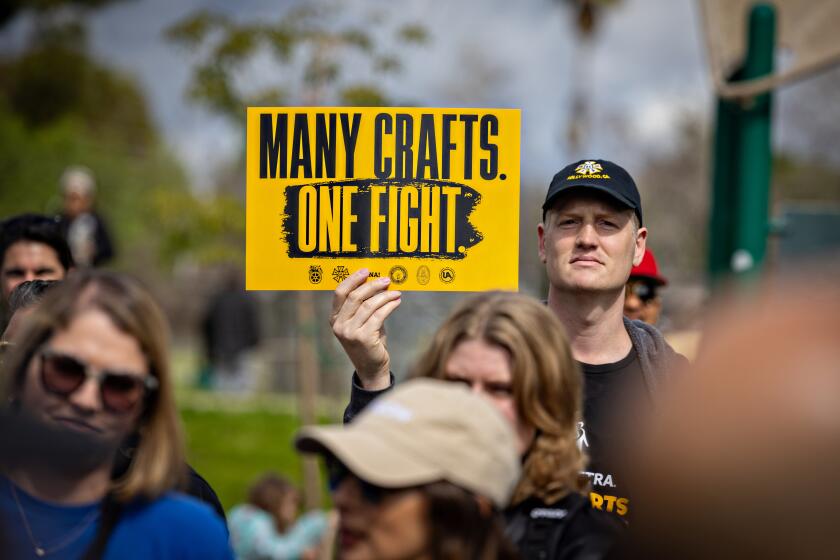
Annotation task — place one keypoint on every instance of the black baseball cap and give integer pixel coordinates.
(595, 174)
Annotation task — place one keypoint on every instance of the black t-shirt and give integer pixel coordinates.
(610, 394)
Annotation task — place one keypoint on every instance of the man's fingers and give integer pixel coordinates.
(385, 311)
(362, 318)
(348, 285)
(355, 298)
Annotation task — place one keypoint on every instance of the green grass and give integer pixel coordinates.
(232, 440)
(232, 448)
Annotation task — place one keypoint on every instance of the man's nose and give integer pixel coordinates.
(586, 237)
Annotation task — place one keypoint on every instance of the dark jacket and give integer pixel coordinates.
(103, 246)
(658, 360)
(570, 529)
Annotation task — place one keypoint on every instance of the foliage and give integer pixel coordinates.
(55, 78)
(806, 179)
(210, 230)
(60, 107)
(310, 45)
(9, 9)
(363, 96)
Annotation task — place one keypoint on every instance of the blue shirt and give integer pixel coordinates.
(173, 526)
(255, 537)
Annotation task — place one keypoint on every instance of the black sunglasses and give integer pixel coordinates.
(641, 290)
(337, 472)
(62, 375)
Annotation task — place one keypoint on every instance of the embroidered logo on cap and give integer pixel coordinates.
(589, 168)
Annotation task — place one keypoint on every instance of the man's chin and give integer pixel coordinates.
(589, 285)
(590, 291)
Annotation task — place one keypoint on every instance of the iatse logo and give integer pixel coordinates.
(340, 273)
(589, 168)
(447, 275)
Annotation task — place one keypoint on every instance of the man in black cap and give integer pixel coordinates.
(591, 236)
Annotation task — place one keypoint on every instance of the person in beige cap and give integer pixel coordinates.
(422, 473)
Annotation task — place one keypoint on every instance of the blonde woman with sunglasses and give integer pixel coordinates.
(89, 371)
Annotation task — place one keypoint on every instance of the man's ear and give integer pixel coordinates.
(641, 243)
(541, 241)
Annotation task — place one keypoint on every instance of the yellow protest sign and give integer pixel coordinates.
(427, 197)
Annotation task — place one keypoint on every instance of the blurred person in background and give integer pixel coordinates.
(88, 371)
(422, 473)
(268, 528)
(231, 328)
(741, 460)
(591, 236)
(84, 229)
(641, 296)
(510, 349)
(31, 248)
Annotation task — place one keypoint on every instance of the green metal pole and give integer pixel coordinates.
(751, 225)
(724, 189)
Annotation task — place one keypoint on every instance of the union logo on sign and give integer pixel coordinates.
(423, 275)
(340, 273)
(398, 274)
(316, 274)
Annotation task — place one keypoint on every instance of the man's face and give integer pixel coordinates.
(76, 202)
(589, 244)
(641, 301)
(29, 260)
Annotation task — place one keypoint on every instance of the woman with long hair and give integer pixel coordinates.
(88, 372)
(512, 350)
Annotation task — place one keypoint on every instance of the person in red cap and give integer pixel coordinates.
(641, 297)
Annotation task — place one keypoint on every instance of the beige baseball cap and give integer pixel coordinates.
(423, 431)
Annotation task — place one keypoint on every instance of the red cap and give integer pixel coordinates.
(648, 269)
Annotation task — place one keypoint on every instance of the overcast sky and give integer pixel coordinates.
(645, 70)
